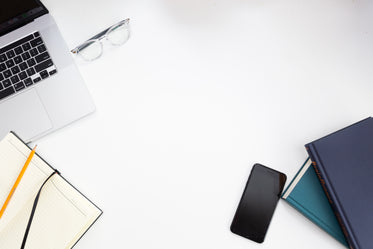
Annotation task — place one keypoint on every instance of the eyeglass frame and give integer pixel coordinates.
(99, 37)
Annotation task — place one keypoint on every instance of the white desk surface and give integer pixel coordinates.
(202, 91)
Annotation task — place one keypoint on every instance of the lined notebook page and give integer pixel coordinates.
(62, 215)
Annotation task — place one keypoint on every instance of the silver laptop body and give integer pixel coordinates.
(45, 101)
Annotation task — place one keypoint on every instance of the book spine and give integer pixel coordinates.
(324, 183)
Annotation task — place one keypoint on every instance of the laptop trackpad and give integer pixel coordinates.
(25, 115)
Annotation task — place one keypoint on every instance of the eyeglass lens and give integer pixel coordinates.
(119, 34)
(92, 50)
(116, 35)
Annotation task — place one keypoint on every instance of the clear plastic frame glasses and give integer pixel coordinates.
(92, 49)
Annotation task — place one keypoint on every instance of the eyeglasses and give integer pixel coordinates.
(92, 49)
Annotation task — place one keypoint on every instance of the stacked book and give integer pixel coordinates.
(334, 187)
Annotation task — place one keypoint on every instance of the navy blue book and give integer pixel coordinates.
(343, 162)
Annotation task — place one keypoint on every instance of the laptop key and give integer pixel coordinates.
(26, 46)
(36, 42)
(1, 77)
(1, 87)
(17, 59)
(44, 74)
(36, 80)
(7, 83)
(31, 62)
(27, 82)
(2, 67)
(2, 57)
(42, 57)
(10, 54)
(53, 72)
(36, 34)
(14, 79)
(6, 92)
(18, 50)
(19, 86)
(42, 48)
(26, 56)
(43, 65)
(10, 63)
(33, 52)
(15, 70)
(7, 73)
(22, 75)
(30, 71)
(23, 66)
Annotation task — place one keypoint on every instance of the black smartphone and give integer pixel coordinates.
(258, 203)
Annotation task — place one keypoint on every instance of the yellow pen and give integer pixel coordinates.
(17, 182)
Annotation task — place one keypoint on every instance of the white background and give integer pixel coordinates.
(202, 91)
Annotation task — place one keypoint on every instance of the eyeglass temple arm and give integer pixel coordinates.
(85, 44)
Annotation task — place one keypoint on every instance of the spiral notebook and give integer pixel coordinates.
(63, 214)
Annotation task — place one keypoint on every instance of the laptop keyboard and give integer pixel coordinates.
(23, 63)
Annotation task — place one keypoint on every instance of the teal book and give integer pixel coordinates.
(306, 194)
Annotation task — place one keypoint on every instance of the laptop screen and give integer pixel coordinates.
(15, 13)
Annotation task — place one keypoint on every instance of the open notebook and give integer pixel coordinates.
(63, 214)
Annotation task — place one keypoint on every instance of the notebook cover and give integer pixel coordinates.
(343, 162)
(305, 194)
(69, 184)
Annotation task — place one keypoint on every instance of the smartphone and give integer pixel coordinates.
(258, 203)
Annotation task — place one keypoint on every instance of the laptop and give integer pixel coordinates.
(41, 89)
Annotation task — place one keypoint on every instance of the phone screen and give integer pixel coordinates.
(258, 203)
